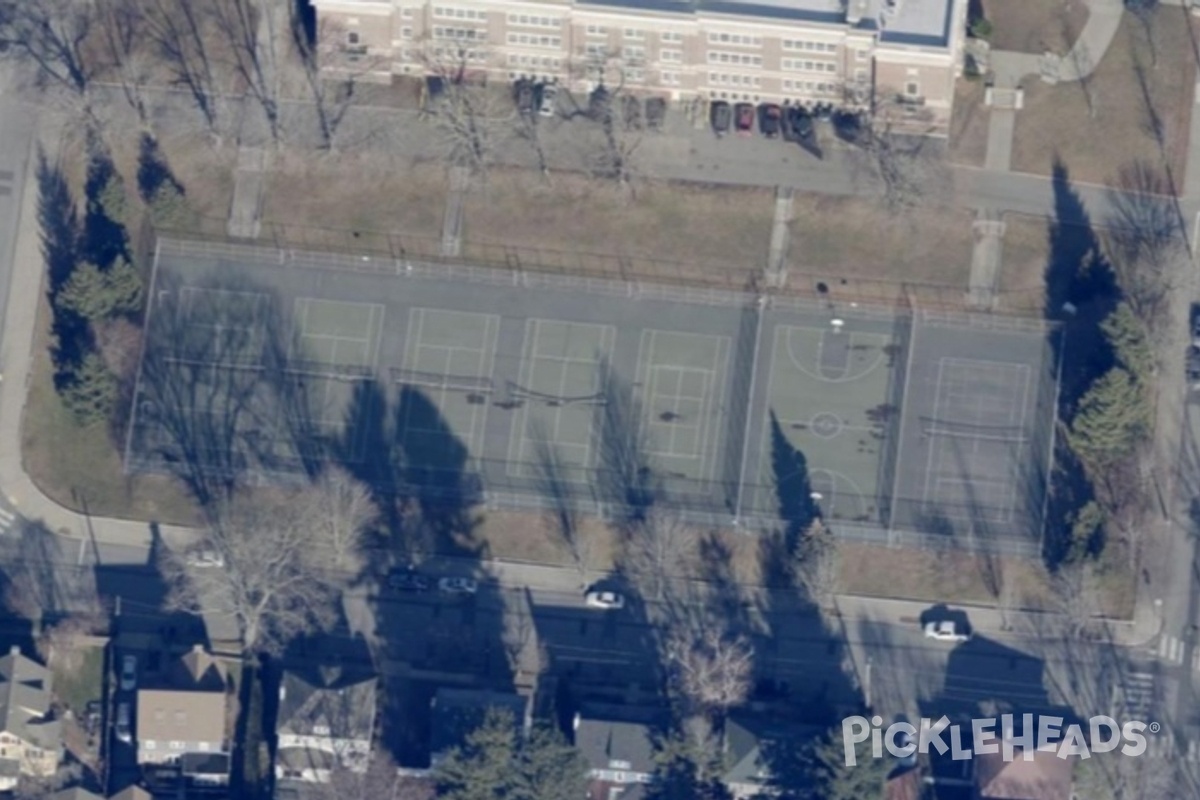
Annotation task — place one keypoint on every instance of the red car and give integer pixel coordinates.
(743, 116)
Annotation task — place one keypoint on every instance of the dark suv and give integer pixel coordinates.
(720, 114)
(770, 120)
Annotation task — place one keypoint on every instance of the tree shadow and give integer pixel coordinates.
(103, 239)
(60, 233)
(153, 170)
(626, 480)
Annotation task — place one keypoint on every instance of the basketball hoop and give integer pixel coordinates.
(837, 325)
(816, 496)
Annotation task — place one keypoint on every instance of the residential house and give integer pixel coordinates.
(618, 743)
(455, 713)
(903, 785)
(1045, 777)
(846, 52)
(762, 751)
(74, 793)
(30, 738)
(325, 719)
(182, 724)
(132, 793)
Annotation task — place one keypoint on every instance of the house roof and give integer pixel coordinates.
(903, 786)
(199, 670)
(605, 734)
(331, 702)
(25, 687)
(750, 742)
(458, 712)
(1046, 777)
(204, 763)
(132, 793)
(179, 715)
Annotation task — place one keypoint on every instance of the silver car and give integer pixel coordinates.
(946, 631)
(604, 600)
(457, 586)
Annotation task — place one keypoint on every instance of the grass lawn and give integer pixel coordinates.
(76, 687)
(703, 234)
(1035, 26)
(969, 125)
(1056, 121)
(71, 464)
(854, 246)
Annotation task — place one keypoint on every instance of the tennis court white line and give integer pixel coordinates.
(937, 409)
(675, 399)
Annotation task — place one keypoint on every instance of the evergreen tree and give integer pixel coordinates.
(90, 390)
(832, 779)
(1127, 336)
(113, 200)
(1111, 418)
(550, 768)
(97, 294)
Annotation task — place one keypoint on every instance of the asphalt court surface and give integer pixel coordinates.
(897, 429)
(828, 391)
(557, 391)
(679, 377)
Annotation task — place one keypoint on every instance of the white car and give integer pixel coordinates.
(457, 586)
(946, 631)
(549, 96)
(606, 600)
(128, 673)
(205, 558)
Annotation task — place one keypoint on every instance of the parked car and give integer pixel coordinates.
(129, 673)
(548, 104)
(604, 599)
(122, 727)
(1193, 368)
(743, 115)
(797, 124)
(407, 579)
(458, 586)
(721, 116)
(631, 111)
(946, 631)
(523, 96)
(656, 112)
(205, 558)
(770, 120)
(848, 126)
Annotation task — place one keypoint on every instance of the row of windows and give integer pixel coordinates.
(811, 47)
(634, 75)
(534, 21)
(669, 78)
(458, 56)
(525, 60)
(534, 40)
(817, 87)
(671, 36)
(723, 79)
(596, 30)
(742, 59)
(633, 53)
(671, 56)
(804, 65)
(459, 34)
(455, 12)
(739, 39)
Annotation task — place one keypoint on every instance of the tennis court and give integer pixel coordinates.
(221, 326)
(556, 393)
(448, 357)
(336, 334)
(680, 376)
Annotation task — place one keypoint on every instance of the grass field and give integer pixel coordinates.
(968, 126)
(1056, 121)
(84, 683)
(1035, 26)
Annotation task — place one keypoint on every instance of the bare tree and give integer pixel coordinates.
(275, 583)
(469, 115)
(340, 511)
(1145, 241)
(180, 31)
(712, 670)
(818, 565)
(559, 491)
(892, 147)
(126, 52)
(254, 34)
(657, 550)
(52, 36)
(1077, 592)
(1084, 63)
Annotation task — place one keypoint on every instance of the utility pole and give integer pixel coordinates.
(867, 684)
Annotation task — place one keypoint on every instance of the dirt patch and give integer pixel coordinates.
(1056, 122)
(1035, 26)
(969, 125)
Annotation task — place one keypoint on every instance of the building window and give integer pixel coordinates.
(406, 13)
(861, 54)
(459, 34)
(671, 56)
(534, 21)
(860, 75)
(176, 745)
(633, 53)
(533, 40)
(912, 89)
(149, 744)
(593, 50)
(671, 36)
(669, 78)
(635, 34)
(741, 59)
(449, 12)
(596, 30)
(202, 746)
(406, 33)
(809, 47)
(634, 75)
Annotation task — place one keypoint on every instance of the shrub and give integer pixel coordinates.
(90, 391)
(981, 28)
(97, 294)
